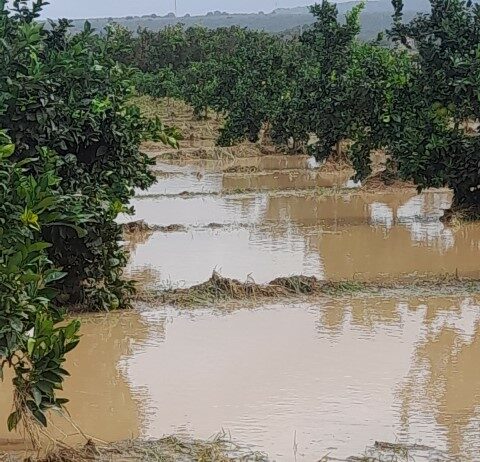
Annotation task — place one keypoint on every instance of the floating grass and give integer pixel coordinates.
(170, 449)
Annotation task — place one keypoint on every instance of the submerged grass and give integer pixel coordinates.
(309, 192)
(218, 289)
(140, 228)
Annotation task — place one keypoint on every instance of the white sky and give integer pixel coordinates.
(117, 8)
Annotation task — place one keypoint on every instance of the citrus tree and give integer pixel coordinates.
(34, 340)
(437, 142)
(67, 93)
(317, 102)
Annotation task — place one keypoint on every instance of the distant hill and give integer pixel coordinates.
(375, 18)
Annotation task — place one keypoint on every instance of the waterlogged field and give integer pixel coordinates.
(328, 377)
(356, 235)
(297, 379)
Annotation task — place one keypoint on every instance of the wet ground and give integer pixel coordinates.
(297, 381)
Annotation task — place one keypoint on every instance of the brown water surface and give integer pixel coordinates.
(359, 236)
(281, 180)
(332, 376)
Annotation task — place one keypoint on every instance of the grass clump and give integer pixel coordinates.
(221, 289)
(170, 449)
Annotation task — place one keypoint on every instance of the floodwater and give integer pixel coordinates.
(296, 381)
(330, 377)
(263, 236)
(210, 177)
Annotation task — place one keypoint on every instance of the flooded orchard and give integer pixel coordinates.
(240, 237)
(333, 234)
(328, 377)
(297, 379)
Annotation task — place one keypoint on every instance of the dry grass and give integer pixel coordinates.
(221, 290)
(242, 169)
(199, 136)
(333, 165)
(218, 449)
(170, 449)
(379, 183)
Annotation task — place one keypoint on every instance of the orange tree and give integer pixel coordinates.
(33, 339)
(435, 139)
(68, 94)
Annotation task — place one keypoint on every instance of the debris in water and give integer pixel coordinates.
(170, 449)
(141, 227)
(220, 289)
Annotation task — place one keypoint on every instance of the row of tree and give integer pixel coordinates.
(69, 163)
(416, 99)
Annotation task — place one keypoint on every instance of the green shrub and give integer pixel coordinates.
(32, 343)
(68, 94)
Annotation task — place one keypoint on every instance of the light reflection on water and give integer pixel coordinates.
(366, 237)
(340, 374)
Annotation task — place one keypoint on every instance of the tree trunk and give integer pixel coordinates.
(338, 150)
(465, 204)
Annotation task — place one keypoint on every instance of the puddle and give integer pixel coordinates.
(331, 377)
(164, 211)
(191, 182)
(363, 237)
(270, 173)
(186, 259)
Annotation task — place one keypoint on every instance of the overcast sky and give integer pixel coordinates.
(116, 8)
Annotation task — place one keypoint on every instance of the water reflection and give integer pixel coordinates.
(361, 236)
(102, 403)
(443, 384)
(338, 374)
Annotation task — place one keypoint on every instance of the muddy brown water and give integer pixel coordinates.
(207, 177)
(330, 377)
(365, 237)
(326, 377)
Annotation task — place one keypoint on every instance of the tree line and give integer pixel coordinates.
(417, 98)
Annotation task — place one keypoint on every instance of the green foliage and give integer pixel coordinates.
(318, 94)
(69, 94)
(374, 82)
(164, 83)
(32, 341)
(435, 146)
